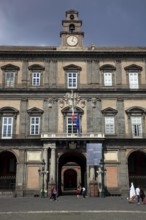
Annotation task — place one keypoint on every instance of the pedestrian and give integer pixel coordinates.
(83, 191)
(138, 195)
(78, 191)
(54, 193)
(132, 193)
(142, 196)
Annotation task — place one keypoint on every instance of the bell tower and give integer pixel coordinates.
(71, 36)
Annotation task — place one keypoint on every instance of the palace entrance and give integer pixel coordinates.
(71, 172)
(137, 169)
(7, 171)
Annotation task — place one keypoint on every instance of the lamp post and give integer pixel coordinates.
(42, 173)
(102, 171)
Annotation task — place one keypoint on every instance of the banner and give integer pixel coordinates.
(94, 154)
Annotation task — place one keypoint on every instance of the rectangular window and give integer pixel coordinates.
(136, 126)
(71, 125)
(133, 80)
(7, 127)
(36, 79)
(72, 80)
(34, 125)
(108, 79)
(109, 125)
(9, 79)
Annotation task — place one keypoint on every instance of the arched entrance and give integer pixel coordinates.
(71, 172)
(137, 169)
(7, 171)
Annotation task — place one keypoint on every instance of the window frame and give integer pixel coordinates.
(75, 70)
(136, 112)
(34, 126)
(106, 83)
(136, 127)
(133, 68)
(9, 127)
(34, 113)
(108, 68)
(110, 113)
(35, 68)
(10, 69)
(73, 80)
(36, 80)
(109, 126)
(8, 112)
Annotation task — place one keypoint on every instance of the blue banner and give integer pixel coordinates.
(94, 154)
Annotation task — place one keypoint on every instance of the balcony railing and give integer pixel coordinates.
(72, 135)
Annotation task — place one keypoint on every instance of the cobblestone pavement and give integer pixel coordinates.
(69, 207)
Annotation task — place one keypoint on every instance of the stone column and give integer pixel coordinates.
(24, 72)
(23, 117)
(123, 174)
(53, 164)
(118, 72)
(21, 174)
(120, 117)
(45, 157)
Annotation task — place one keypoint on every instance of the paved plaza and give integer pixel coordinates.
(69, 207)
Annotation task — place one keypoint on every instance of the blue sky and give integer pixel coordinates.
(105, 22)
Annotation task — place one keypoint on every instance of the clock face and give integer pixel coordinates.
(72, 40)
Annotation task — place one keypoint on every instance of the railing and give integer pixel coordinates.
(7, 182)
(73, 135)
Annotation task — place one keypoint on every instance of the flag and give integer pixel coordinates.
(73, 115)
(78, 122)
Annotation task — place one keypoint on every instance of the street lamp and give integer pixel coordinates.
(102, 171)
(42, 173)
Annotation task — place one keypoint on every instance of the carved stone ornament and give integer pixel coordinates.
(50, 103)
(82, 103)
(72, 145)
(94, 102)
(61, 103)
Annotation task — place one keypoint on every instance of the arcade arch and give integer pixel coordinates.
(7, 170)
(137, 168)
(71, 172)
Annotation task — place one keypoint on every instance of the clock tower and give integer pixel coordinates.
(72, 36)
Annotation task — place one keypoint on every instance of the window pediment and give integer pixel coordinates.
(36, 67)
(35, 111)
(107, 67)
(10, 67)
(109, 111)
(135, 111)
(72, 67)
(9, 110)
(133, 67)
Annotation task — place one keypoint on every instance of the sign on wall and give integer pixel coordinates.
(94, 154)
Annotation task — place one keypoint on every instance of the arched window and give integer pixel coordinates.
(72, 28)
(10, 73)
(136, 121)
(108, 72)
(36, 74)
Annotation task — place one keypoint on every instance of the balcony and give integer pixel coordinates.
(66, 136)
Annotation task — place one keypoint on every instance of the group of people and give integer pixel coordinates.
(137, 194)
(81, 191)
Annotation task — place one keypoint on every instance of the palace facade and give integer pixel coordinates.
(57, 101)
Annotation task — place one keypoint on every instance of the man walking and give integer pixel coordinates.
(138, 195)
